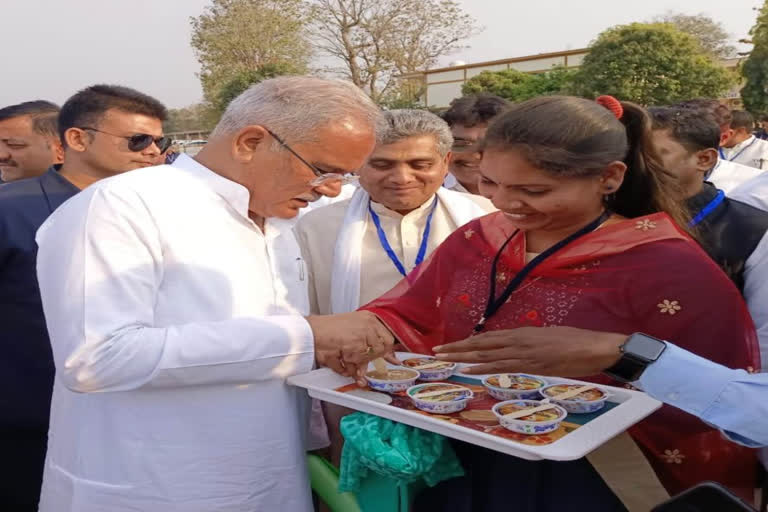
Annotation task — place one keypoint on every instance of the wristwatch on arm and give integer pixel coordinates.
(637, 353)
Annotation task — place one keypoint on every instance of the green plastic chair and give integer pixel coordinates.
(376, 493)
(324, 478)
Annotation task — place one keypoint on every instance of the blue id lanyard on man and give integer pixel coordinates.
(734, 157)
(388, 248)
(709, 208)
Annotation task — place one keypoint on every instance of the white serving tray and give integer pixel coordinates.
(633, 407)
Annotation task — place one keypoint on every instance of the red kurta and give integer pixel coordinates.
(638, 275)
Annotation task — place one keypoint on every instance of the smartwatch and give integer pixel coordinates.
(637, 353)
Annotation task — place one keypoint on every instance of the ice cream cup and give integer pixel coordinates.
(524, 387)
(397, 379)
(442, 372)
(542, 422)
(588, 401)
(454, 399)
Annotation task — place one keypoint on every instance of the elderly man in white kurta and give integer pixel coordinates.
(174, 298)
(357, 250)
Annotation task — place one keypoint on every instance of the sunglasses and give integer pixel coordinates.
(320, 177)
(140, 141)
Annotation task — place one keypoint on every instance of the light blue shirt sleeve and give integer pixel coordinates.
(734, 401)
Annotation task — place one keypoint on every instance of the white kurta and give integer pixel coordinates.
(318, 230)
(346, 192)
(754, 191)
(174, 322)
(752, 152)
(728, 175)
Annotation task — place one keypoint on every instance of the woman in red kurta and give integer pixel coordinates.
(560, 169)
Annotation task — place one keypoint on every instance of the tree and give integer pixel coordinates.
(233, 37)
(242, 80)
(652, 64)
(378, 41)
(518, 86)
(710, 33)
(754, 94)
(199, 117)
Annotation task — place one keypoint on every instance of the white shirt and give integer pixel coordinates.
(318, 230)
(756, 295)
(754, 191)
(752, 152)
(451, 183)
(728, 175)
(346, 192)
(174, 321)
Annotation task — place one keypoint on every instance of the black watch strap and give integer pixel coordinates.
(627, 369)
(637, 352)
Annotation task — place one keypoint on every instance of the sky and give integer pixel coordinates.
(52, 48)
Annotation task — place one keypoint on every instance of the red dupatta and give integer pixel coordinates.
(638, 275)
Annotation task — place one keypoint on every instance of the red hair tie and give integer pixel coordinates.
(611, 104)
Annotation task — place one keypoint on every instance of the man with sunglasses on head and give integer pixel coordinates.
(181, 312)
(26, 366)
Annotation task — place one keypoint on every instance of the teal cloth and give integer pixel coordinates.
(403, 453)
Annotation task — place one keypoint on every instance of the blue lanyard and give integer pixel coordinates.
(722, 153)
(708, 209)
(388, 248)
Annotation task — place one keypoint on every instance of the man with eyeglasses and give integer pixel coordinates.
(357, 250)
(469, 117)
(26, 366)
(181, 312)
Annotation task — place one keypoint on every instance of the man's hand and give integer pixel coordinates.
(556, 351)
(347, 342)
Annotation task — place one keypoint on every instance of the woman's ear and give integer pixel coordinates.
(612, 177)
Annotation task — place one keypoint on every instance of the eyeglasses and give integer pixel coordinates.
(321, 177)
(140, 141)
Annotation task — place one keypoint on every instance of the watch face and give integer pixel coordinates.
(645, 347)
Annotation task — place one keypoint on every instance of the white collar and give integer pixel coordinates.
(418, 212)
(233, 193)
(746, 142)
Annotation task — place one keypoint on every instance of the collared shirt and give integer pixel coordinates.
(754, 191)
(728, 175)
(317, 232)
(752, 152)
(346, 192)
(451, 183)
(732, 400)
(174, 323)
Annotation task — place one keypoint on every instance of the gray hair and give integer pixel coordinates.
(403, 123)
(295, 106)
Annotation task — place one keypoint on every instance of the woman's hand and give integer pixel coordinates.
(556, 351)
